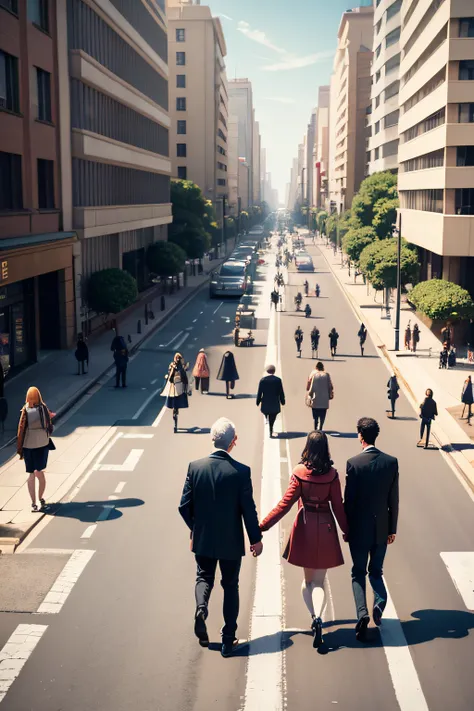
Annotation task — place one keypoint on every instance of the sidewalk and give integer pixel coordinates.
(56, 377)
(416, 372)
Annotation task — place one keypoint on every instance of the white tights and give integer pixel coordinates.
(314, 590)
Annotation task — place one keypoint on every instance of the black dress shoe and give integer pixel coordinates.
(317, 628)
(228, 647)
(200, 629)
(377, 615)
(361, 628)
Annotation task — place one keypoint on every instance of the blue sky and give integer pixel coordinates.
(286, 49)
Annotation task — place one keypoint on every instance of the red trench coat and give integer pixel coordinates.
(314, 541)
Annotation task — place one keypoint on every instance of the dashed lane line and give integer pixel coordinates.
(132, 435)
(65, 582)
(143, 407)
(119, 488)
(16, 652)
(129, 464)
(460, 566)
(89, 531)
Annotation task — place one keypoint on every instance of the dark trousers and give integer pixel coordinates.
(271, 420)
(392, 403)
(205, 576)
(81, 365)
(425, 422)
(204, 382)
(318, 416)
(120, 374)
(374, 556)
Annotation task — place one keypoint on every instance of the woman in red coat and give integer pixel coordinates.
(314, 541)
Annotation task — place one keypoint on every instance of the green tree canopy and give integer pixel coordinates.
(165, 258)
(321, 221)
(379, 186)
(355, 240)
(443, 300)
(385, 216)
(193, 217)
(378, 261)
(110, 291)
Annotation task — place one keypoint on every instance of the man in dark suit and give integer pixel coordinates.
(217, 495)
(371, 503)
(271, 396)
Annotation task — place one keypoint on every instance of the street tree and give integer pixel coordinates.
(379, 186)
(110, 291)
(378, 261)
(355, 240)
(385, 216)
(192, 218)
(165, 259)
(440, 299)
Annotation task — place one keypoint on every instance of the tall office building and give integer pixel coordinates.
(436, 126)
(198, 98)
(383, 121)
(256, 152)
(241, 105)
(310, 158)
(292, 193)
(116, 52)
(36, 241)
(350, 97)
(321, 152)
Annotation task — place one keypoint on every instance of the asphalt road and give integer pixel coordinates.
(123, 638)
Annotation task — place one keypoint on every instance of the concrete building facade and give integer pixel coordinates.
(436, 127)
(321, 149)
(310, 153)
(199, 107)
(350, 97)
(241, 106)
(383, 122)
(256, 154)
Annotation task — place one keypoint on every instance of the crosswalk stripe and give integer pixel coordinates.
(16, 652)
(460, 567)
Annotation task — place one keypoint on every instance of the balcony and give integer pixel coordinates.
(428, 105)
(425, 143)
(449, 235)
(460, 92)
(432, 66)
(427, 179)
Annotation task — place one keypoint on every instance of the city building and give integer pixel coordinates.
(310, 154)
(349, 99)
(292, 192)
(244, 179)
(256, 153)
(233, 164)
(384, 109)
(118, 124)
(321, 151)
(198, 99)
(36, 240)
(241, 106)
(436, 128)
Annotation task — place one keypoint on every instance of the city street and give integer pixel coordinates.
(96, 611)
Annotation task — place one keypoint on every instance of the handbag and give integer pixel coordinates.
(51, 445)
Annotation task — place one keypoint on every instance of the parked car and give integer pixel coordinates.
(230, 279)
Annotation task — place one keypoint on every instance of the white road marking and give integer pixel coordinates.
(146, 403)
(216, 310)
(160, 416)
(16, 652)
(65, 582)
(172, 340)
(154, 381)
(181, 340)
(194, 320)
(89, 531)
(460, 566)
(47, 551)
(133, 435)
(119, 488)
(128, 466)
(405, 679)
(112, 497)
(105, 513)
(189, 328)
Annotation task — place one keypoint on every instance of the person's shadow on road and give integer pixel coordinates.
(92, 511)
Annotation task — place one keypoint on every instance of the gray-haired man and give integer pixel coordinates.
(217, 495)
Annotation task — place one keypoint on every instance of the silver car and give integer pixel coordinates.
(229, 280)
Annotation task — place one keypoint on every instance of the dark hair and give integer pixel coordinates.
(369, 429)
(316, 453)
(271, 369)
(429, 393)
(319, 366)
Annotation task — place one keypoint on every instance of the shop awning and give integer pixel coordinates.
(32, 240)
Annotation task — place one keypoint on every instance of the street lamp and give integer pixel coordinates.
(398, 232)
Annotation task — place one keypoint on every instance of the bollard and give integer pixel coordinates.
(139, 326)
(146, 314)
(152, 314)
(129, 338)
(162, 303)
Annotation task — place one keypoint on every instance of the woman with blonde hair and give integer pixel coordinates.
(176, 388)
(33, 442)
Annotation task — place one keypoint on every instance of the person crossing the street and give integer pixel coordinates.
(298, 340)
(120, 351)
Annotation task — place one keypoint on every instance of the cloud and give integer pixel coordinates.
(226, 17)
(258, 36)
(290, 61)
(281, 99)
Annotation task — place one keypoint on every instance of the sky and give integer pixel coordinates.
(286, 48)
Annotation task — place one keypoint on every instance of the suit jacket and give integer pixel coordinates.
(217, 495)
(371, 497)
(270, 395)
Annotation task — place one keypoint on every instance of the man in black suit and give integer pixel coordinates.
(371, 503)
(217, 495)
(271, 396)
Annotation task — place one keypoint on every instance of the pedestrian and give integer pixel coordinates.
(275, 298)
(371, 504)
(362, 334)
(315, 335)
(306, 287)
(428, 411)
(176, 387)
(307, 311)
(216, 528)
(452, 356)
(393, 388)
(313, 542)
(120, 350)
(318, 290)
(34, 442)
(446, 335)
(298, 340)
(467, 397)
(443, 358)
(228, 373)
(319, 392)
(270, 396)
(333, 339)
(82, 354)
(201, 372)
(415, 338)
(407, 337)
(470, 341)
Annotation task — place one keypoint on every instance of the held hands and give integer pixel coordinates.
(256, 549)
(391, 538)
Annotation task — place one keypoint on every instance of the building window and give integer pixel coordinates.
(181, 150)
(377, 101)
(180, 35)
(465, 155)
(182, 172)
(391, 119)
(377, 127)
(378, 26)
(180, 103)
(181, 81)
(390, 148)
(43, 82)
(392, 90)
(394, 9)
(466, 70)
(11, 193)
(376, 153)
(181, 59)
(9, 86)
(221, 135)
(464, 201)
(377, 76)
(433, 121)
(181, 127)
(426, 89)
(377, 51)
(45, 184)
(426, 200)
(466, 113)
(221, 182)
(424, 162)
(392, 64)
(222, 166)
(38, 13)
(11, 5)
(466, 27)
(221, 150)
(392, 37)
